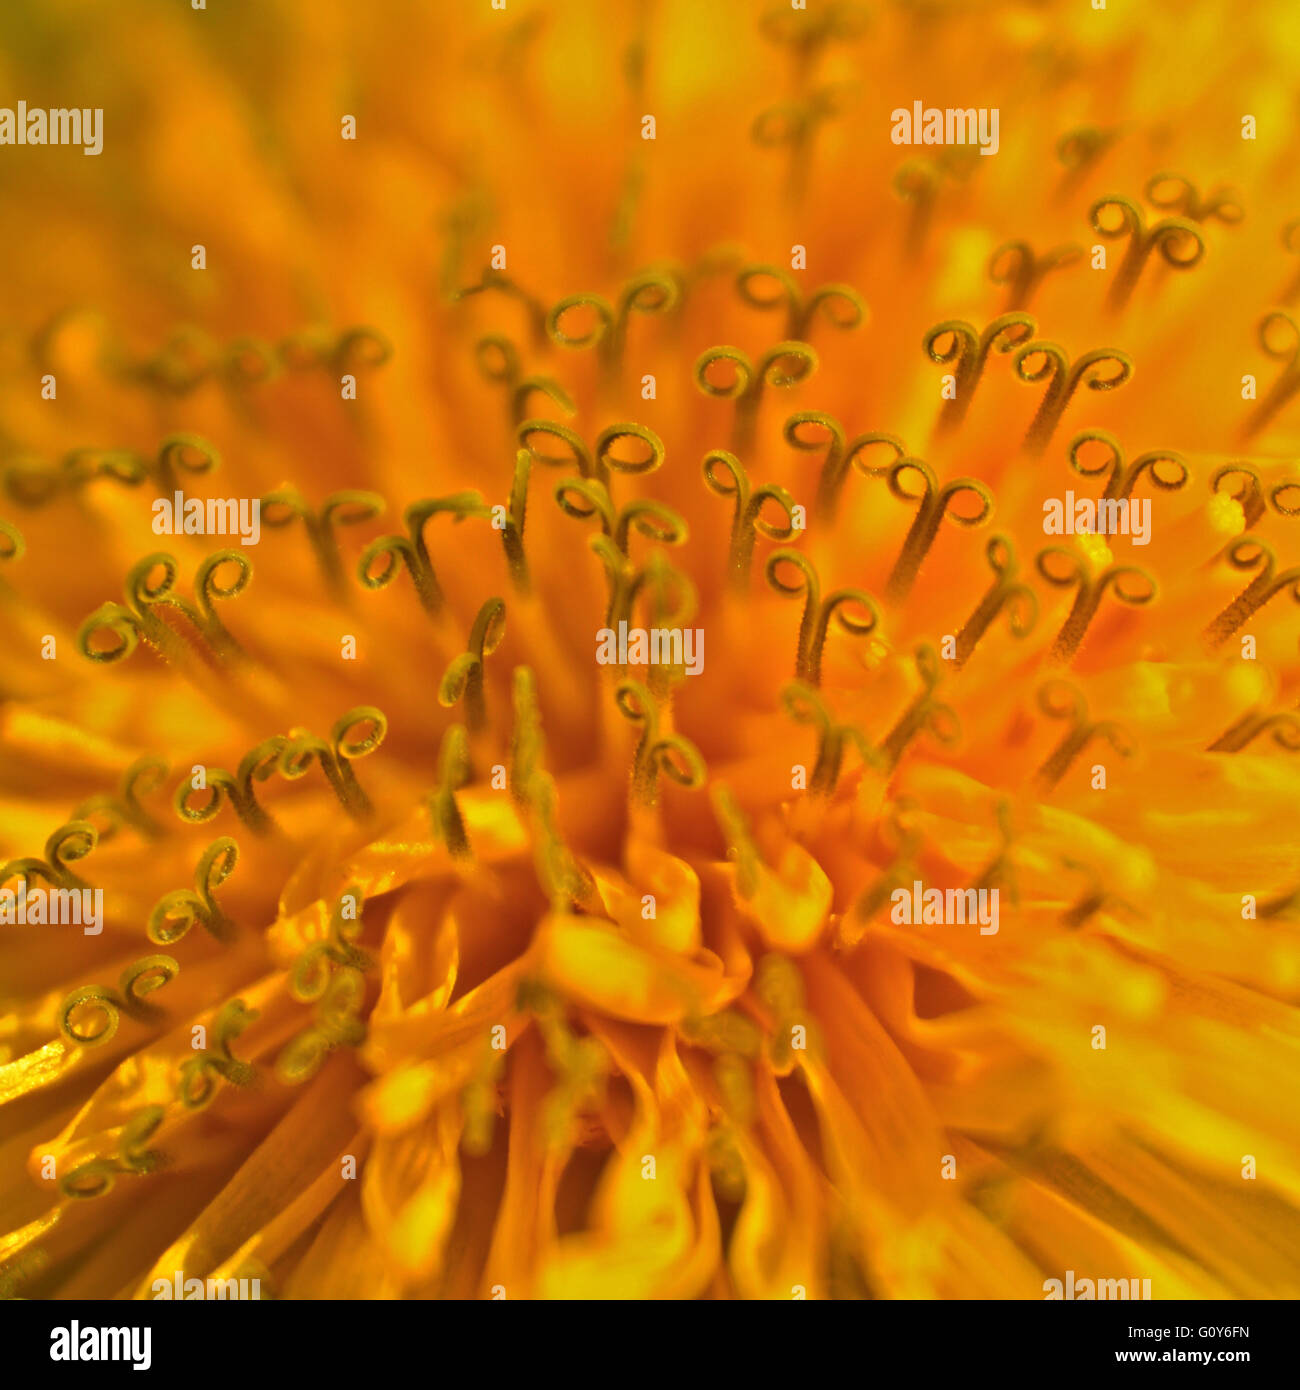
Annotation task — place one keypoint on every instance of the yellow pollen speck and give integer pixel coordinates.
(1096, 551)
(1226, 514)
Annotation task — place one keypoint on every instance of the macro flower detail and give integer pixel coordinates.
(522, 973)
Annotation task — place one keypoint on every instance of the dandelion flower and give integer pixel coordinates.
(441, 959)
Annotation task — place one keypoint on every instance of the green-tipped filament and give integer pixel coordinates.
(933, 504)
(177, 912)
(805, 705)
(1016, 265)
(1064, 569)
(818, 612)
(1061, 700)
(337, 754)
(1248, 553)
(1179, 242)
(1279, 337)
(453, 775)
(671, 755)
(1165, 469)
(840, 305)
(725, 475)
(1063, 380)
(257, 765)
(925, 714)
(962, 347)
(412, 550)
(1006, 593)
(785, 365)
(841, 454)
(105, 1005)
(348, 508)
(463, 678)
(199, 1075)
(147, 597)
